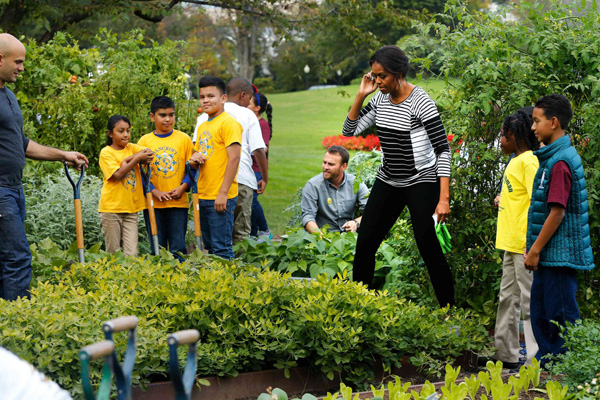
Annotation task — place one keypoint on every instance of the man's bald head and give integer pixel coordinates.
(9, 44)
(12, 58)
(239, 91)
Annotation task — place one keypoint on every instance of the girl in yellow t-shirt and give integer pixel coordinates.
(516, 137)
(122, 196)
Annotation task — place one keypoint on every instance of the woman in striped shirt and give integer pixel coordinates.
(415, 168)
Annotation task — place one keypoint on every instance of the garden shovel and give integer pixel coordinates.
(78, 217)
(150, 204)
(194, 178)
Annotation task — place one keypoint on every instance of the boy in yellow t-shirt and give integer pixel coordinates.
(121, 197)
(172, 149)
(219, 150)
(515, 289)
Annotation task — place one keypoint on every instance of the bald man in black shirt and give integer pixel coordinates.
(15, 257)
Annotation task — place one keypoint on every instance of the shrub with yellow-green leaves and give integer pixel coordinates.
(248, 319)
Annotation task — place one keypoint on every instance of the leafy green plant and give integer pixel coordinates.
(452, 391)
(306, 255)
(50, 212)
(68, 93)
(581, 362)
(248, 319)
(589, 390)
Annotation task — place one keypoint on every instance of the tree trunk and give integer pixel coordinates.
(246, 35)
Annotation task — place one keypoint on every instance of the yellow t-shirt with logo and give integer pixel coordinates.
(168, 166)
(515, 198)
(213, 138)
(125, 195)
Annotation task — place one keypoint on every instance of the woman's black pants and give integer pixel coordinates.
(383, 208)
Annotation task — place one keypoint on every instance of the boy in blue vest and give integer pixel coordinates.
(558, 234)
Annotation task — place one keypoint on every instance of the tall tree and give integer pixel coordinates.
(43, 18)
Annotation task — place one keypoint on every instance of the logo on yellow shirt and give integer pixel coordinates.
(165, 162)
(129, 181)
(205, 144)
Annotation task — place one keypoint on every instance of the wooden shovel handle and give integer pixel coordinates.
(187, 336)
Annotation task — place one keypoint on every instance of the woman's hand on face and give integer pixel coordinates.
(442, 211)
(367, 85)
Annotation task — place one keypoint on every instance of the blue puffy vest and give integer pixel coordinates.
(570, 246)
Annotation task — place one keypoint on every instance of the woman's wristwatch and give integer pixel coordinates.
(357, 223)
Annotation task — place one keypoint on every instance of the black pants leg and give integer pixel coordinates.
(383, 208)
(422, 200)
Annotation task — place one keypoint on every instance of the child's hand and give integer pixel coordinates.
(497, 200)
(261, 186)
(197, 158)
(531, 260)
(221, 203)
(178, 192)
(160, 195)
(145, 156)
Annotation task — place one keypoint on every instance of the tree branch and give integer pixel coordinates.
(67, 20)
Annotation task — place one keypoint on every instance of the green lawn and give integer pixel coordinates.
(300, 121)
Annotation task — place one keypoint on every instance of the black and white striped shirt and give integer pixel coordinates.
(413, 139)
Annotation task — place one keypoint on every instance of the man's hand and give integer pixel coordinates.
(350, 226)
(178, 192)
(532, 259)
(262, 185)
(75, 158)
(160, 195)
(197, 159)
(221, 203)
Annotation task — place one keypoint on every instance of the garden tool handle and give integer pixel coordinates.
(196, 205)
(193, 176)
(78, 211)
(97, 350)
(194, 182)
(188, 336)
(121, 324)
(76, 186)
(146, 175)
(145, 172)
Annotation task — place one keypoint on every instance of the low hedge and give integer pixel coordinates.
(249, 319)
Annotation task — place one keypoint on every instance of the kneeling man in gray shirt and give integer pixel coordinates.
(329, 198)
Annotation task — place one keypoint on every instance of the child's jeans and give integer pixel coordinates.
(514, 300)
(259, 222)
(171, 226)
(552, 299)
(217, 228)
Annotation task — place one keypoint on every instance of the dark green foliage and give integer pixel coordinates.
(119, 75)
(581, 363)
(248, 319)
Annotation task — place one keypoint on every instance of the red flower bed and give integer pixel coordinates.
(353, 142)
(367, 143)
